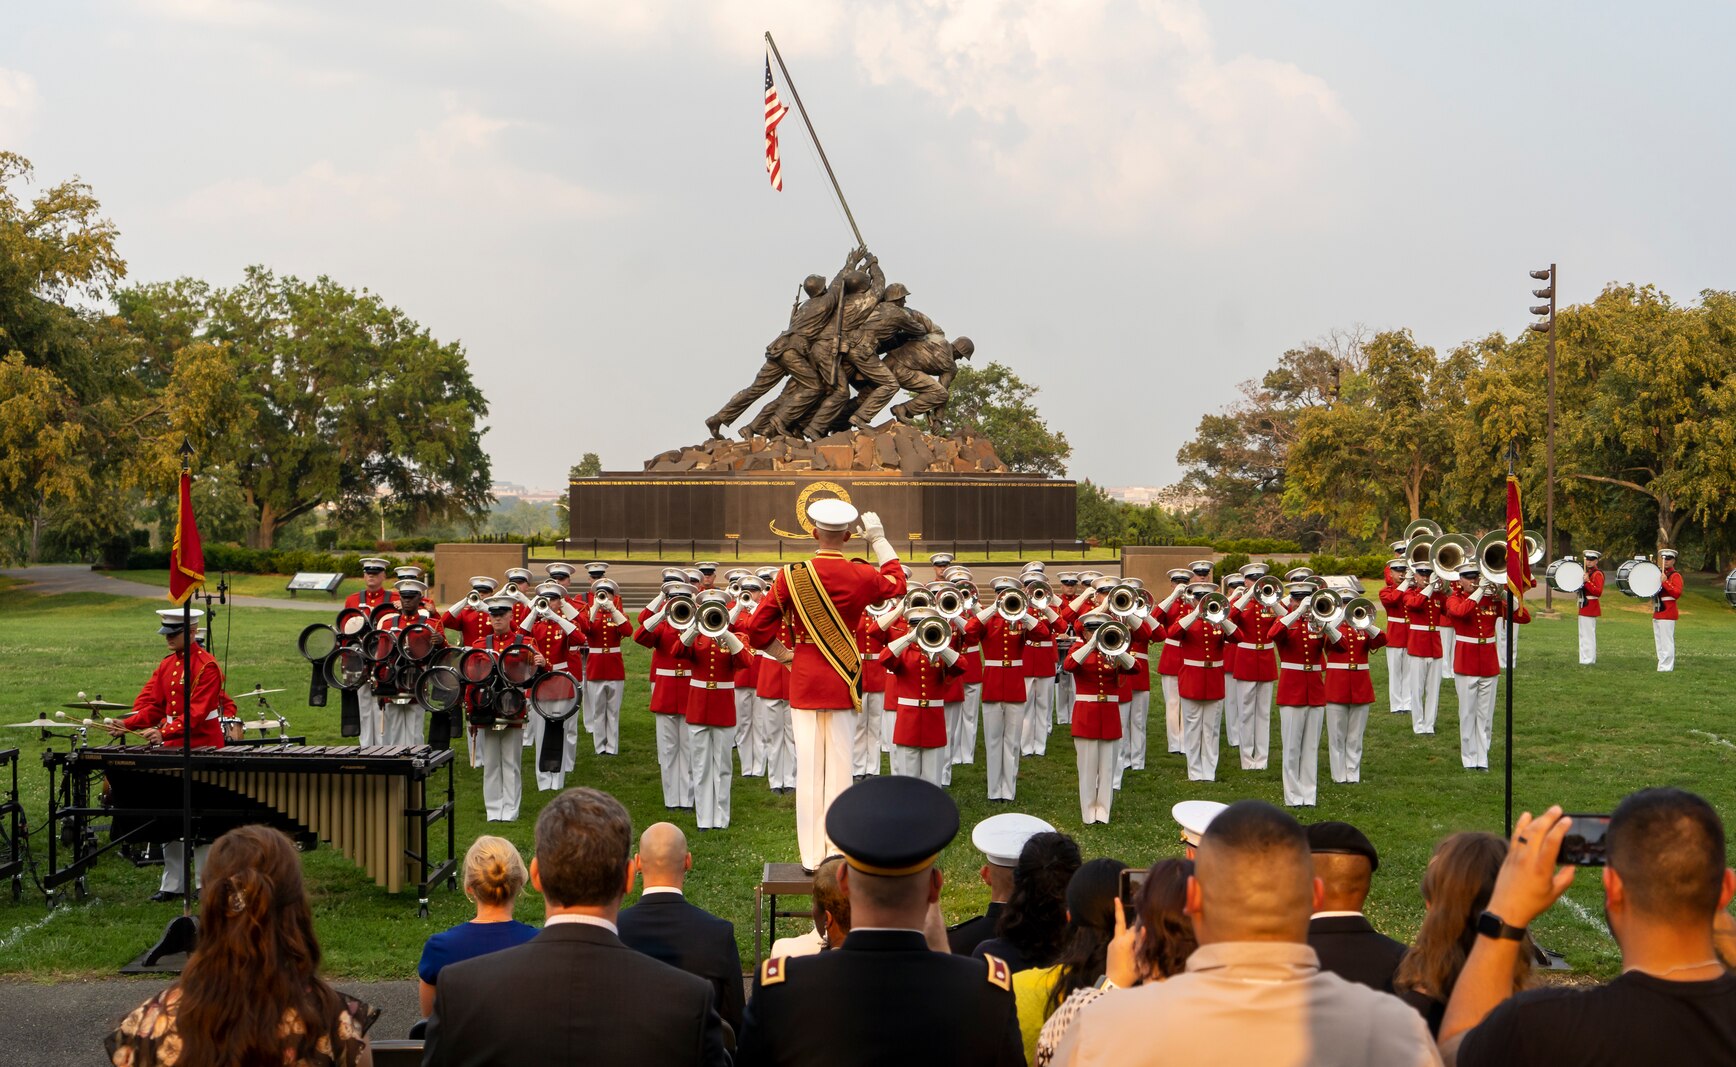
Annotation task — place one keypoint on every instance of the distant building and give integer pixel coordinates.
(515, 491)
(1169, 497)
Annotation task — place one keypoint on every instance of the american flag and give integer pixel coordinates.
(775, 113)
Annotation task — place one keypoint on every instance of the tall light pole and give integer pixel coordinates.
(1547, 326)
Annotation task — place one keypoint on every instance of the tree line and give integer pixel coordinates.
(296, 396)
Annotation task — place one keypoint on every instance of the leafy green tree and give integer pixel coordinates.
(997, 403)
(590, 465)
(1097, 516)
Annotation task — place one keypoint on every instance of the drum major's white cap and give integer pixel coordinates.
(832, 514)
(1002, 837)
(1193, 816)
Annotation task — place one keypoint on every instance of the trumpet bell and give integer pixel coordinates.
(1323, 606)
(681, 612)
(1361, 613)
(713, 620)
(1450, 553)
(1492, 557)
(1113, 639)
(950, 603)
(1011, 605)
(1533, 550)
(1268, 591)
(933, 635)
(1420, 550)
(1122, 600)
(1214, 607)
(918, 598)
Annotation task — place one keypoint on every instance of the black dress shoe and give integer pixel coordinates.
(163, 896)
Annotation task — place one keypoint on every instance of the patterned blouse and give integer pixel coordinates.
(1056, 1027)
(147, 1037)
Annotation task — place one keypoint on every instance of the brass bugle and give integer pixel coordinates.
(1113, 638)
(918, 598)
(680, 611)
(1041, 594)
(1533, 550)
(541, 603)
(1269, 591)
(933, 635)
(1214, 607)
(1360, 612)
(1122, 599)
(474, 599)
(1323, 607)
(1011, 605)
(713, 620)
(1450, 552)
(950, 603)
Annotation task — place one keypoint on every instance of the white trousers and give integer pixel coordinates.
(1141, 706)
(1096, 761)
(924, 763)
(1400, 687)
(1425, 693)
(1199, 728)
(1345, 725)
(603, 715)
(373, 726)
(402, 724)
(822, 772)
(1501, 642)
(1172, 712)
(1064, 692)
(1301, 730)
(1587, 639)
(1123, 749)
(965, 752)
(501, 753)
(674, 761)
(711, 766)
(865, 737)
(555, 781)
(952, 712)
(746, 734)
(1476, 718)
(1232, 712)
(174, 867)
(1448, 636)
(1664, 635)
(1002, 726)
(777, 742)
(1255, 700)
(1039, 715)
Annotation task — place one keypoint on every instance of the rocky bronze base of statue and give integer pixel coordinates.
(888, 447)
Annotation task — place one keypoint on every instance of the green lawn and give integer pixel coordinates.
(1587, 736)
(268, 585)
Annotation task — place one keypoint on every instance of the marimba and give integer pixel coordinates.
(372, 804)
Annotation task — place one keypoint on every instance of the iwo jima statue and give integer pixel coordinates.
(850, 345)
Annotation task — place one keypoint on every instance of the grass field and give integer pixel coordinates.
(1585, 737)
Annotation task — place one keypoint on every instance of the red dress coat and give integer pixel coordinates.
(471, 623)
(1301, 660)
(1040, 652)
(1474, 653)
(915, 690)
(710, 699)
(668, 675)
(1142, 636)
(547, 637)
(159, 702)
(1397, 620)
(1255, 659)
(1169, 660)
(1664, 603)
(602, 637)
(1202, 659)
(1347, 678)
(1426, 615)
(773, 682)
(370, 599)
(1096, 696)
(852, 586)
(870, 642)
(1591, 596)
(1003, 652)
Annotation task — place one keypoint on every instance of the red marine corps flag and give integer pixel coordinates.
(187, 558)
(1518, 562)
(775, 113)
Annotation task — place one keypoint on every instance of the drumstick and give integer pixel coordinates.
(100, 724)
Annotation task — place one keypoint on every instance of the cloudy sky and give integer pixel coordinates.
(1136, 204)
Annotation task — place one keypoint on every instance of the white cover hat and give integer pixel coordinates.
(1193, 816)
(1002, 837)
(832, 514)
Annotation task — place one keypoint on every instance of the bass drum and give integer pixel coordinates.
(1639, 578)
(1730, 588)
(1566, 575)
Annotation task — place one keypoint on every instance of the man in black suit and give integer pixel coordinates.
(575, 993)
(1000, 838)
(884, 997)
(665, 926)
(1347, 944)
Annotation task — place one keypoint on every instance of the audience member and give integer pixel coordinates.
(885, 997)
(1091, 895)
(666, 926)
(1034, 923)
(1155, 947)
(1000, 838)
(493, 875)
(1456, 888)
(1724, 937)
(251, 991)
(831, 910)
(575, 993)
(1253, 992)
(1674, 1002)
(1346, 942)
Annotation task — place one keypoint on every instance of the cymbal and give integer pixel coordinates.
(33, 724)
(257, 693)
(97, 705)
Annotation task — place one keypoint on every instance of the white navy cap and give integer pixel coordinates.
(706, 567)
(374, 563)
(766, 574)
(1592, 553)
(408, 571)
(1470, 570)
(559, 570)
(1002, 837)
(1193, 816)
(410, 585)
(597, 569)
(482, 583)
(498, 605)
(517, 574)
(1200, 566)
(172, 620)
(552, 590)
(941, 559)
(1036, 565)
(832, 514)
(1400, 545)
(1668, 553)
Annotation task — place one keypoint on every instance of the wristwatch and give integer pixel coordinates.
(1491, 925)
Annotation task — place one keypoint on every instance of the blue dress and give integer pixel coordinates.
(468, 940)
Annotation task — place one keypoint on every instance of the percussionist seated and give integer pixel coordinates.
(158, 716)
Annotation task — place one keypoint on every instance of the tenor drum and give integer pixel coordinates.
(1639, 578)
(1566, 575)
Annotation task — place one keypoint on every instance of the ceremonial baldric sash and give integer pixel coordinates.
(825, 625)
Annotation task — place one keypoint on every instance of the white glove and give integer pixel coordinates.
(518, 596)
(735, 610)
(985, 614)
(596, 606)
(566, 627)
(885, 619)
(656, 602)
(1079, 601)
(730, 641)
(901, 642)
(1247, 596)
(529, 622)
(1295, 614)
(1125, 661)
(453, 610)
(1029, 622)
(875, 534)
(1334, 633)
(1190, 618)
(1477, 597)
(949, 655)
(1084, 649)
(1170, 599)
(689, 632)
(620, 618)
(1229, 627)
(653, 620)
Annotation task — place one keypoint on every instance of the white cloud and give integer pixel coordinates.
(233, 14)
(17, 104)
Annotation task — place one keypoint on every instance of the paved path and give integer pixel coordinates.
(79, 578)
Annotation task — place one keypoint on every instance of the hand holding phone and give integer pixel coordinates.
(1584, 844)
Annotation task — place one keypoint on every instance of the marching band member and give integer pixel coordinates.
(518, 579)
(1590, 607)
(1301, 643)
(468, 616)
(496, 741)
(709, 709)
(776, 747)
(403, 721)
(604, 626)
(552, 634)
(870, 725)
(971, 660)
(372, 595)
(1040, 665)
(1168, 611)
(1400, 686)
(1136, 713)
(1256, 672)
(707, 575)
(941, 561)
(1475, 606)
(915, 687)
(1061, 631)
(1664, 613)
(1002, 636)
(1096, 725)
(1232, 588)
(1202, 686)
(157, 713)
(747, 593)
(1425, 606)
(1349, 692)
(668, 699)
(409, 572)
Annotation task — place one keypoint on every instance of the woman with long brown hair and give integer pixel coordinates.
(1456, 887)
(251, 994)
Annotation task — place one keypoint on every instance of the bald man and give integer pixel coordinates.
(666, 927)
(1253, 991)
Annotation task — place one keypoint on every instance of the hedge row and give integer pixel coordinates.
(1369, 566)
(1252, 545)
(238, 560)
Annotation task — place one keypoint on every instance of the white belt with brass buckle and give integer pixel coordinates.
(1420, 626)
(1175, 641)
(594, 650)
(909, 702)
(699, 684)
(1003, 663)
(665, 672)
(1300, 666)
(1142, 655)
(1203, 662)
(1463, 640)
(1039, 644)
(1254, 646)
(1099, 698)
(1347, 666)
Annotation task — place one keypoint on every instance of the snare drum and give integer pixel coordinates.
(1566, 575)
(1639, 578)
(234, 732)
